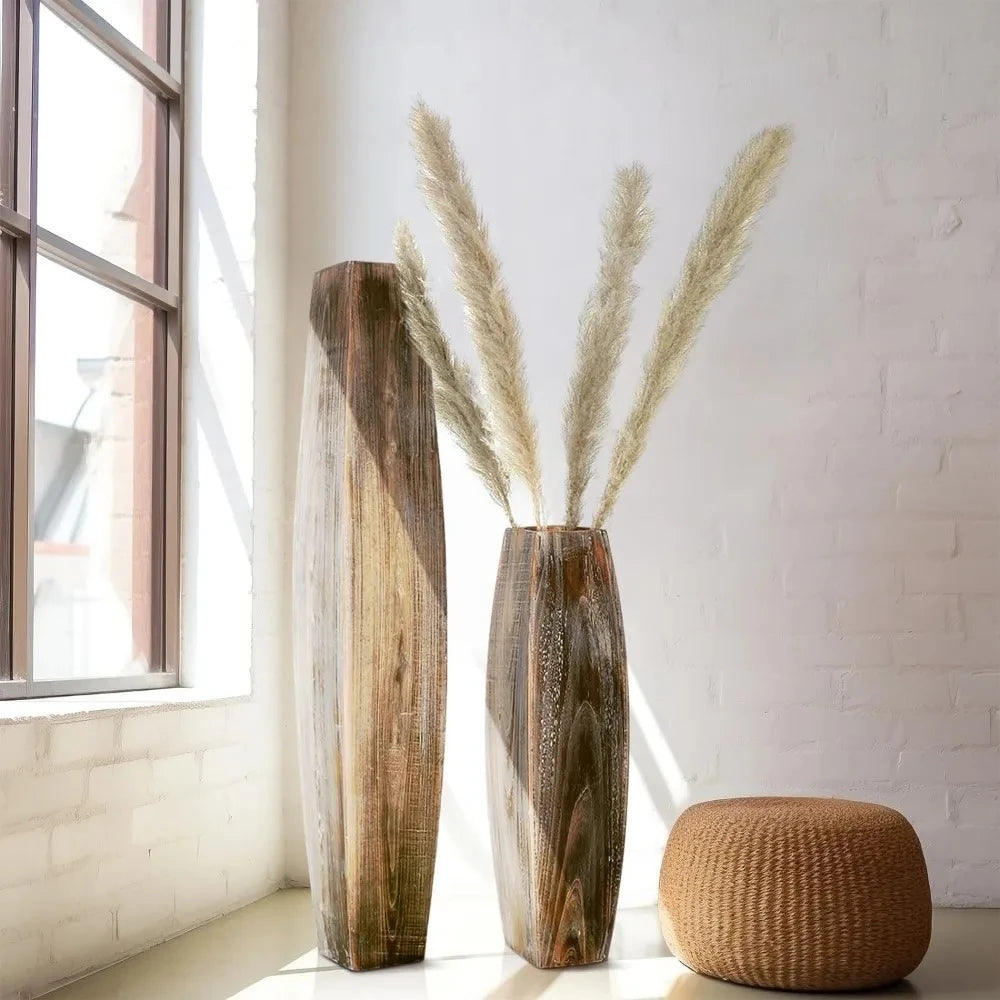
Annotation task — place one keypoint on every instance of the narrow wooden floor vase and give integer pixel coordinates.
(369, 619)
(557, 744)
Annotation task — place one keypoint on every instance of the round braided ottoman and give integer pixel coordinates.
(795, 893)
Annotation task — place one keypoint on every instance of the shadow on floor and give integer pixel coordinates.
(527, 983)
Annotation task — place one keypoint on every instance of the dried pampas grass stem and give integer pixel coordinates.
(455, 395)
(603, 328)
(499, 434)
(709, 266)
(494, 327)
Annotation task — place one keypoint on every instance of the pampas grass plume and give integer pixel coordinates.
(628, 224)
(455, 396)
(711, 262)
(495, 329)
(499, 436)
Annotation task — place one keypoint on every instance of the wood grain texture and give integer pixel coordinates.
(369, 621)
(557, 744)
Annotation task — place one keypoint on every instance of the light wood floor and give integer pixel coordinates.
(267, 952)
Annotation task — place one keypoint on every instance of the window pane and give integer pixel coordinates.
(97, 139)
(8, 63)
(135, 19)
(93, 449)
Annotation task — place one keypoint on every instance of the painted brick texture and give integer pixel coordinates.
(845, 632)
(110, 841)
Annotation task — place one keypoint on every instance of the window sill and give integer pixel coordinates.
(86, 706)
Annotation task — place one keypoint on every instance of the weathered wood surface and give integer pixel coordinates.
(557, 744)
(369, 620)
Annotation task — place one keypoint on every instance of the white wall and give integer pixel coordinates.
(126, 820)
(808, 551)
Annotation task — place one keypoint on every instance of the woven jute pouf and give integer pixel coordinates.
(796, 893)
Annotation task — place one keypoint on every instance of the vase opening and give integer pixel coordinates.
(557, 527)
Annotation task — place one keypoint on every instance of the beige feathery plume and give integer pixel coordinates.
(708, 268)
(494, 327)
(455, 395)
(604, 325)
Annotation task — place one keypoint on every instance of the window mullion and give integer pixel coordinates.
(169, 460)
(26, 109)
(98, 269)
(24, 323)
(116, 46)
(8, 39)
(7, 258)
(8, 129)
(12, 226)
(14, 223)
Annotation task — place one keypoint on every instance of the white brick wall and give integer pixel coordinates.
(108, 844)
(808, 552)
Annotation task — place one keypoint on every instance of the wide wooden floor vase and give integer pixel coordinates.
(369, 619)
(557, 744)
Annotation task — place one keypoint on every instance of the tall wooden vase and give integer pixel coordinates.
(369, 619)
(557, 743)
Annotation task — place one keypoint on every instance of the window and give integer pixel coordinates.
(90, 179)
